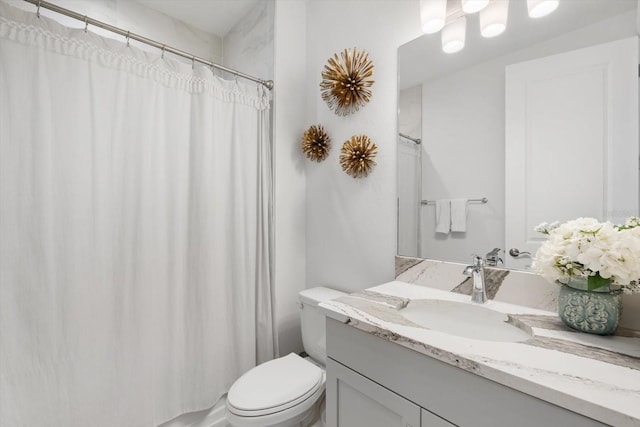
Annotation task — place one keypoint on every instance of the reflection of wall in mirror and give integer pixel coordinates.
(410, 124)
(463, 125)
(463, 140)
(410, 112)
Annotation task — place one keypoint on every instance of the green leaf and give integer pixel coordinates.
(595, 282)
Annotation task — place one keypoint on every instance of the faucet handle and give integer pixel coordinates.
(493, 258)
(493, 253)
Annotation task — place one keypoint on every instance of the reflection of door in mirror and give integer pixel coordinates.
(571, 141)
(409, 170)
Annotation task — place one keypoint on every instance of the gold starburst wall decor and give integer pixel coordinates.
(316, 143)
(346, 81)
(357, 156)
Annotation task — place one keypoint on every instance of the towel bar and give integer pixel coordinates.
(433, 202)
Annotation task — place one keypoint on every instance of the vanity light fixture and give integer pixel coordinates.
(493, 19)
(454, 34)
(473, 6)
(450, 17)
(540, 8)
(433, 14)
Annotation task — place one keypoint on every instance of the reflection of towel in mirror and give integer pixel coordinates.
(443, 216)
(459, 215)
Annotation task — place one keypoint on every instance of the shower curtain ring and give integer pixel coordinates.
(38, 9)
(193, 62)
(128, 33)
(86, 23)
(162, 53)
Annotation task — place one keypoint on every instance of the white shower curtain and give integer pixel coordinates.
(134, 230)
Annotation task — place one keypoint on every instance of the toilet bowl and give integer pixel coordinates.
(281, 392)
(288, 391)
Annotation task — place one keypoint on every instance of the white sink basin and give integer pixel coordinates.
(463, 319)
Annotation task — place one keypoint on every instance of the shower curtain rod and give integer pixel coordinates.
(418, 141)
(129, 35)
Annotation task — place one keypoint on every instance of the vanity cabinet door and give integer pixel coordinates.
(354, 401)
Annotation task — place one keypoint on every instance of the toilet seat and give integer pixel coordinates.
(275, 386)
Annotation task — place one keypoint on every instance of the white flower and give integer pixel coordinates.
(632, 221)
(587, 247)
(541, 228)
(545, 228)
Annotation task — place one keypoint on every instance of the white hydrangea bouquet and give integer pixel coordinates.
(604, 253)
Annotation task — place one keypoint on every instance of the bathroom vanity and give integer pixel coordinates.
(384, 369)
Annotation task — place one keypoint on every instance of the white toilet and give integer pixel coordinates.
(288, 391)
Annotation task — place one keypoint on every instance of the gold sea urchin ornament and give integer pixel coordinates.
(346, 82)
(316, 143)
(357, 156)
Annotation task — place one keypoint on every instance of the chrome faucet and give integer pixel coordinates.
(476, 270)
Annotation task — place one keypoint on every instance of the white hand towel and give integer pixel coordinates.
(459, 215)
(443, 216)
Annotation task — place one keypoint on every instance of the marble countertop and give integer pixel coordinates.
(598, 377)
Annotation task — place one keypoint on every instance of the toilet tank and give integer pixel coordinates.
(312, 321)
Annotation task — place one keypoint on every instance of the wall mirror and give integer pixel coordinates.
(537, 124)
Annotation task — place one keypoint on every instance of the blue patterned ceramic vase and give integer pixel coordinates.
(594, 312)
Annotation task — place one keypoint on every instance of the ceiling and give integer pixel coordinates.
(423, 59)
(213, 16)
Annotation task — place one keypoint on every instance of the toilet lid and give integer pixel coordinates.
(274, 386)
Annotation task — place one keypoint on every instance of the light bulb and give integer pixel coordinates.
(433, 14)
(540, 8)
(453, 35)
(473, 6)
(493, 19)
